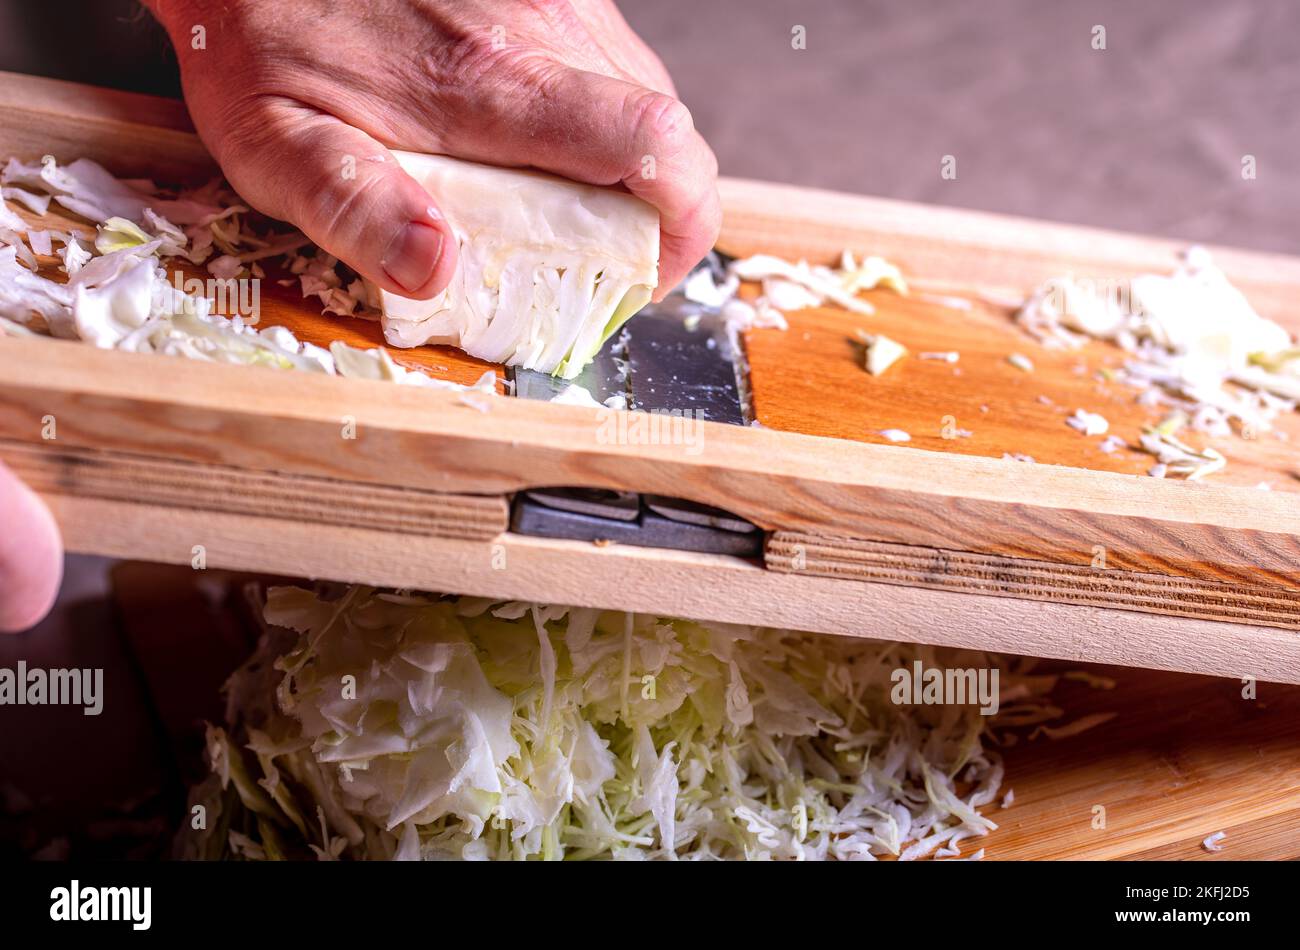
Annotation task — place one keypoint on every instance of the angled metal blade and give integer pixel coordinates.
(597, 502)
(603, 377)
(677, 365)
(648, 529)
(690, 512)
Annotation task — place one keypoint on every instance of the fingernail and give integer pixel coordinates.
(412, 255)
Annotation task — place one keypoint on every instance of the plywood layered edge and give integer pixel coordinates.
(120, 476)
(406, 438)
(1096, 584)
(676, 583)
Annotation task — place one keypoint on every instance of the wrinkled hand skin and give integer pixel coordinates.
(287, 93)
(31, 556)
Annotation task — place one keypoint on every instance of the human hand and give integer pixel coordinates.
(287, 94)
(31, 556)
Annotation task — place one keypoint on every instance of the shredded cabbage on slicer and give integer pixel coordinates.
(117, 294)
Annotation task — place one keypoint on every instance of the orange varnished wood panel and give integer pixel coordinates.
(286, 307)
(810, 379)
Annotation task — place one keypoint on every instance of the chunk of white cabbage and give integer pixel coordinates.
(548, 269)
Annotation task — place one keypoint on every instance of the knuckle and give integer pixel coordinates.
(243, 126)
(307, 175)
(480, 84)
(335, 207)
(663, 122)
(714, 227)
(470, 57)
(551, 9)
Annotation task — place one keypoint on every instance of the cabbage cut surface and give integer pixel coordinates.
(548, 268)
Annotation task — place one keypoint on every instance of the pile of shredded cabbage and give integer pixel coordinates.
(411, 726)
(1195, 345)
(117, 294)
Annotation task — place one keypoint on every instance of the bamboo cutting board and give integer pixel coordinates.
(937, 541)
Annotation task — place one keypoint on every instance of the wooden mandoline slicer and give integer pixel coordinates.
(941, 540)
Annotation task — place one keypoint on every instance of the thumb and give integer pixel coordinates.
(347, 193)
(31, 556)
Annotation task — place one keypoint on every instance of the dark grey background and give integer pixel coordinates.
(1147, 135)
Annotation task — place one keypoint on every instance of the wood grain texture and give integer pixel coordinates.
(132, 135)
(1262, 839)
(135, 135)
(951, 249)
(855, 559)
(1185, 757)
(122, 477)
(293, 423)
(810, 379)
(677, 583)
(280, 303)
